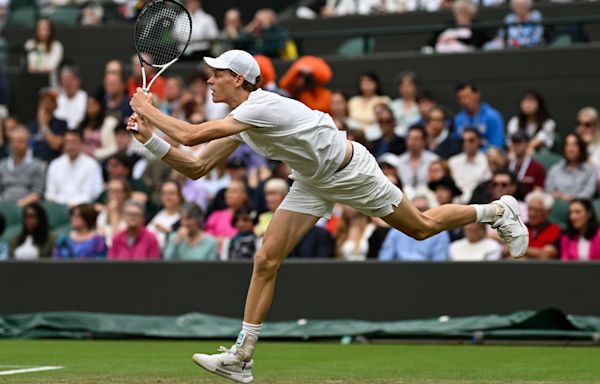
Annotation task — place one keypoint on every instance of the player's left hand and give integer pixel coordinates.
(140, 100)
(143, 132)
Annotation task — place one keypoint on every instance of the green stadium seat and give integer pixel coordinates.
(66, 15)
(547, 158)
(13, 215)
(22, 16)
(560, 213)
(62, 230)
(596, 204)
(356, 47)
(558, 142)
(58, 215)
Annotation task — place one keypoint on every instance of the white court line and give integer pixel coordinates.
(27, 370)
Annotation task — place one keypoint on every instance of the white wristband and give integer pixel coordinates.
(157, 146)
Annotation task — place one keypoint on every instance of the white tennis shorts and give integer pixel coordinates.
(361, 185)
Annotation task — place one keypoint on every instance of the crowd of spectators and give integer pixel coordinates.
(125, 204)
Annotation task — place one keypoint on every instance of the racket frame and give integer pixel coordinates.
(162, 67)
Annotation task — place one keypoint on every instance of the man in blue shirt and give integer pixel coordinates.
(398, 246)
(475, 113)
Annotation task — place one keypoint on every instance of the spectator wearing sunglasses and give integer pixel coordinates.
(573, 177)
(586, 126)
(439, 139)
(389, 141)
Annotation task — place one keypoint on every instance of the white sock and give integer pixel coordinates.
(251, 329)
(487, 213)
(246, 341)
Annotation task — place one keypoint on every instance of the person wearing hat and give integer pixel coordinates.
(445, 190)
(529, 172)
(326, 168)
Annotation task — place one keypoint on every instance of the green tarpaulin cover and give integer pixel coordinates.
(546, 324)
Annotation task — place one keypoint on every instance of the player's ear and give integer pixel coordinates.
(239, 81)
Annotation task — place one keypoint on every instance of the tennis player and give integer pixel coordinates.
(326, 168)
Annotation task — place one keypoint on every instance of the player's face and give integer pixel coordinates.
(221, 84)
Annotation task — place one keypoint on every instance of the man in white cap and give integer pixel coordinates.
(326, 168)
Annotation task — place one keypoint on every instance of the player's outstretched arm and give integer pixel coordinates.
(211, 155)
(190, 166)
(182, 131)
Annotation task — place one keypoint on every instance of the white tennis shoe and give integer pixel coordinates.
(228, 364)
(511, 228)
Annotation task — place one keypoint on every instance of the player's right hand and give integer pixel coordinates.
(143, 132)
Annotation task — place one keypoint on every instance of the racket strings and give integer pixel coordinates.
(162, 32)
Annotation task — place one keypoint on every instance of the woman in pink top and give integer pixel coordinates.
(219, 223)
(582, 238)
(135, 242)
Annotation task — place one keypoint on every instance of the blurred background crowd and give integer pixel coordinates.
(75, 185)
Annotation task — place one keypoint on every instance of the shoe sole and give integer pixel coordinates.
(221, 372)
(509, 204)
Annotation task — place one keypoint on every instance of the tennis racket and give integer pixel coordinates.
(162, 32)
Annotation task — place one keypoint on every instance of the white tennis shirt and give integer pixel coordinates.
(287, 130)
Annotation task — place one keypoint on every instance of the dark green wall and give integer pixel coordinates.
(318, 290)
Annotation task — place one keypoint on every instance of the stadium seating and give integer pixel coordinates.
(58, 217)
(560, 213)
(59, 220)
(547, 158)
(13, 215)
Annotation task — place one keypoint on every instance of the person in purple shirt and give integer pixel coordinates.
(82, 242)
(475, 113)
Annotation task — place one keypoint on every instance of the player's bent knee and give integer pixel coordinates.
(419, 234)
(422, 232)
(265, 264)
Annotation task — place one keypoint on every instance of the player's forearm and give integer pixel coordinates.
(178, 130)
(186, 164)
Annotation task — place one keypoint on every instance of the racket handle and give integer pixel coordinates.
(135, 127)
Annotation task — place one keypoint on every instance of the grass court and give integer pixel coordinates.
(169, 362)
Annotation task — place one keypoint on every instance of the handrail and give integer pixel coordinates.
(409, 29)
